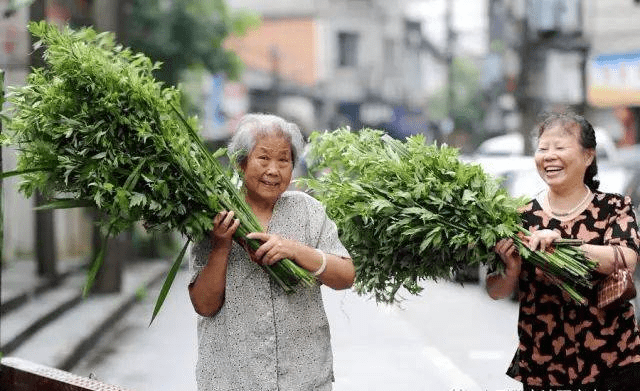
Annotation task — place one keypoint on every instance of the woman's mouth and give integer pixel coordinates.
(270, 183)
(552, 170)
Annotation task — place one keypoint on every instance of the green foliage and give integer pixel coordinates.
(468, 104)
(184, 34)
(407, 211)
(95, 128)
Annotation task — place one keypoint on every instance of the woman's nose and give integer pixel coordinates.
(272, 167)
(549, 155)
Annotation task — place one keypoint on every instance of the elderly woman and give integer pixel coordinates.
(565, 345)
(251, 334)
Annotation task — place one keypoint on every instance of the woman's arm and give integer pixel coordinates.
(605, 258)
(338, 273)
(499, 285)
(207, 291)
(603, 254)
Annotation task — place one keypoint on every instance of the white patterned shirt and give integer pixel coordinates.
(263, 339)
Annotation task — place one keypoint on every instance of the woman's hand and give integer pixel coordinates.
(498, 285)
(508, 252)
(224, 226)
(542, 239)
(208, 290)
(274, 248)
(338, 272)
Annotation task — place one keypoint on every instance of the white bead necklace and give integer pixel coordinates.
(575, 208)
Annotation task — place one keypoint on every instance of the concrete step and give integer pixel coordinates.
(20, 282)
(69, 334)
(32, 315)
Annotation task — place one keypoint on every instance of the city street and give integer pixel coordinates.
(450, 338)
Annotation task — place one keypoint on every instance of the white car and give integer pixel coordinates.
(503, 157)
(512, 144)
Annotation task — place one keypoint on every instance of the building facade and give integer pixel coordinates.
(328, 63)
(579, 55)
(613, 67)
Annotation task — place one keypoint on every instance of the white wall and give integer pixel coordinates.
(612, 26)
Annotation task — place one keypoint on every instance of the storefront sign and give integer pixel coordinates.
(614, 80)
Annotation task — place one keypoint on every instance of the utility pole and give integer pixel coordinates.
(275, 54)
(46, 253)
(1, 203)
(450, 38)
(448, 124)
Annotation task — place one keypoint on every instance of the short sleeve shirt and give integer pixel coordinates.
(263, 338)
(562, 342)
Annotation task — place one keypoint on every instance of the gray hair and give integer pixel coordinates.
(252, 127)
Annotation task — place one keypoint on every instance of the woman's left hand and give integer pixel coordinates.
(542, 239)
(274, 248)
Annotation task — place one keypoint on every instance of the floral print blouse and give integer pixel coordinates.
(263, 338)
(562, 342)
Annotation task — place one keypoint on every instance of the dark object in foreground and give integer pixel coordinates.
(20, 375)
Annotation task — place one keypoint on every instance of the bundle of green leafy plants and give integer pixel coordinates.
(94, 129)
(409, 211)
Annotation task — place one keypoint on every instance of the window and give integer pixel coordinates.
(347, 49)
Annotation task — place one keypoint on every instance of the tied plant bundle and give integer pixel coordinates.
(94, 129)
(408, 211)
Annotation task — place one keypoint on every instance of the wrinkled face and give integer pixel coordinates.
(561, 160)
(268, 169)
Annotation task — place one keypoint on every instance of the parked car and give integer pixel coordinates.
(512, 144)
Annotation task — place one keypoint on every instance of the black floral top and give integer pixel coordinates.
(562, 342)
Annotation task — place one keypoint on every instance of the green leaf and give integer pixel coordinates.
(96, 264)
(171, 275)
(65, 203)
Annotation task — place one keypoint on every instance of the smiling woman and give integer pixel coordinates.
(252, 334)
(564, 345)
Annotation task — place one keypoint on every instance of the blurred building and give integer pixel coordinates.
(579, 55)
(328, 63)
(613, 67)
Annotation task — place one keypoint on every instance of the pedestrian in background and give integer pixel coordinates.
(251, 334)
(563, 344)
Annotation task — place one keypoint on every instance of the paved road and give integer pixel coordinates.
(449, 338)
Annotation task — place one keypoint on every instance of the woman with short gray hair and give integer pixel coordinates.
(251, 334)
(253, 126)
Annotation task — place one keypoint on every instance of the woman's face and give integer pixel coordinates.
(268, 168)
(560, 159)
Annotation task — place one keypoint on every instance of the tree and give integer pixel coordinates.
(184, 34)
(468, 108)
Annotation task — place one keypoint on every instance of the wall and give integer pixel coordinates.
(294, 42)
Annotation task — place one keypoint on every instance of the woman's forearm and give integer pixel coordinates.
(338, 272)
(605, 258)
(500, 286)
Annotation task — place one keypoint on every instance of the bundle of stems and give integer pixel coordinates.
(408, 211)
(94, 129)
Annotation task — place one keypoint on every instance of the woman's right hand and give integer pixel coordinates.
(224, 226)
(508, 252)
(498, 285)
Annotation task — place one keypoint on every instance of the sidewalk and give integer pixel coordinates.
(56, 327)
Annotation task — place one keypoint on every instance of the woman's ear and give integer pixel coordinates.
(589, 155)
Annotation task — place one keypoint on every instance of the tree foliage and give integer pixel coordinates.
(467, 110)
(183, 34)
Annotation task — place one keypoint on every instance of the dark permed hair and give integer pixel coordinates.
(574, 123)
